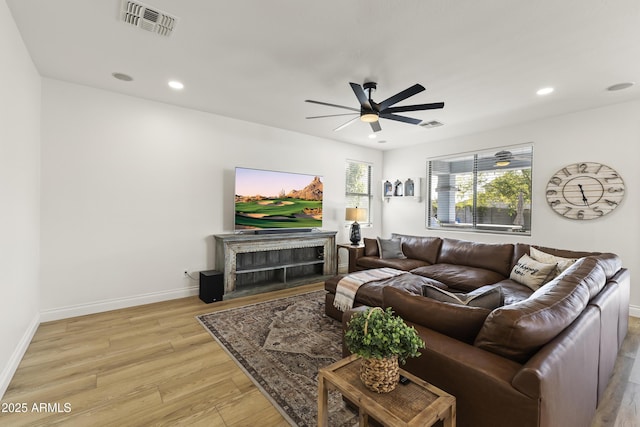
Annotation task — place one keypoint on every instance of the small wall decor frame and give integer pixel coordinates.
(402, 188)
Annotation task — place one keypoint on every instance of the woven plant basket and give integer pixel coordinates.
(380, 375)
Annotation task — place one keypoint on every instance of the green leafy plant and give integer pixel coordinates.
(377, 333)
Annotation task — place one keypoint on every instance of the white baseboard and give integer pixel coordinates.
(7, 373)
(634, 310)
(114, 304)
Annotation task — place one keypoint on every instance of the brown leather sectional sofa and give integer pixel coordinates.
(544, 358)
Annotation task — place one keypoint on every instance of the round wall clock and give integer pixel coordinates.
(585, 190)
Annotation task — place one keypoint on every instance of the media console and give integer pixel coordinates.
(250, 260)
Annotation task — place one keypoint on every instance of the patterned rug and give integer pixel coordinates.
(281, 344)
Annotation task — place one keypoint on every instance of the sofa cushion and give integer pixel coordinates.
(532, 273)
(610, 263)
(406, 264)
(420, 247)
(459, 277)
(457, 321)
(489, 256)
(513, 292)
(518, 330)
(565, 253)
(489, 297)
(390, 248)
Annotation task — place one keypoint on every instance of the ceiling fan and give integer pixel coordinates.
(504, 158)
(371, 111)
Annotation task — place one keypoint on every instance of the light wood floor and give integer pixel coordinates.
(155, 365)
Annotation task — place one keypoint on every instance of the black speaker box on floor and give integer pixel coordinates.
(211, 286)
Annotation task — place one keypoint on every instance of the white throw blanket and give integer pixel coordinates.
(348, 286)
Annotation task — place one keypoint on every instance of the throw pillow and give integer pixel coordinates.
(561, 263)
(489, 297)
(532, 273)
(390, 248)
(371, 247)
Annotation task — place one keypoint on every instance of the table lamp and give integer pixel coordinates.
(355, 214)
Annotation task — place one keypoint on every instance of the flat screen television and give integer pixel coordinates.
(272, 200)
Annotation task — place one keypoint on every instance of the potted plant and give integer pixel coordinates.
(382, 340)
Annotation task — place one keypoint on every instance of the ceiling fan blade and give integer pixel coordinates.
(344, 125)
(418, 107)
(403, 119)
(332, 105)
(362, 97)
(330, 115)
(416, 88)
(375, 126)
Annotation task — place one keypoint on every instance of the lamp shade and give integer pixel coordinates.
(355, 214)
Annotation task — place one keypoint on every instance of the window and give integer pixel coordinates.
(358, 187)
(484, 191)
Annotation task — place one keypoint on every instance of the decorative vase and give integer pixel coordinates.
(380, 375)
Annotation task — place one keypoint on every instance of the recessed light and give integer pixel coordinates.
(372, 136)
(620, 86)
(174, 84)
(122, 76)
(544, 91)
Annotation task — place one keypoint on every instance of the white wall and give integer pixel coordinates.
(609, 135)
(19, 198)
(133, 190)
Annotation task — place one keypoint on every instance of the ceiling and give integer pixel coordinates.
(259, 60)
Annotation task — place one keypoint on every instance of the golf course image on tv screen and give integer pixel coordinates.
(273, 200)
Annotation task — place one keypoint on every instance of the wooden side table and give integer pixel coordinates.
(417, 403)
(353, 253)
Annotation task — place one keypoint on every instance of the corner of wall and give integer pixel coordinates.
(12, 365)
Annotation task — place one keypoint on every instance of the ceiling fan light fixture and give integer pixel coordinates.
(369, 117)
(503, 158)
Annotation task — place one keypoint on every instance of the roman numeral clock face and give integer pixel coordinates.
(585, 191)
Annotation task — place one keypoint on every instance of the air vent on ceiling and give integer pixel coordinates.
(431, 124)
(142, 16)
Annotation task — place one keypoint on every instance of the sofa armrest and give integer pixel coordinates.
(564, 374)
(623, 279)
(480, 381)
(457, 321)
(355, 252)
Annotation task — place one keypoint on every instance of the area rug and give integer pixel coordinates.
(281, 344)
